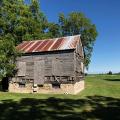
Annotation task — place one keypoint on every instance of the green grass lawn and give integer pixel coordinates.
(99, 101)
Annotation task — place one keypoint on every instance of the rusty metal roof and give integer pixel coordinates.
(64, 43)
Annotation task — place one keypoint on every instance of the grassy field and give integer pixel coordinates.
(99, 101)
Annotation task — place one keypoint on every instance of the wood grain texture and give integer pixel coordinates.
(65, 65)
(39, 72)
(21, 68)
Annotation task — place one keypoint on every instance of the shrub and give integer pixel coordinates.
(110, 73)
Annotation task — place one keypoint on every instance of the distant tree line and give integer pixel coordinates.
(20, 21)
(111, 73)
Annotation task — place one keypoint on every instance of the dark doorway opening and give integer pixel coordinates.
(5, 84)
(56, 85)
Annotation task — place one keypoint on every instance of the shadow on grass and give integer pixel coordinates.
(93, 107)
(0, 85)
(113, 80)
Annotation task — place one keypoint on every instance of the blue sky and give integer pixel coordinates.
(106, 15)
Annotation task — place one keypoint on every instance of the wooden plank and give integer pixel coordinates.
(48, 66)
(39, 72)
(30, 69)
(64, 66)
(82, 67)
(21, 68)
(57, 67)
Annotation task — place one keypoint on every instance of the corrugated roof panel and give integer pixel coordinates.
(57, 44)
(46, 48)
(39, 49)
(36, 47)
(27, 46)
(67, 42)
(33, 46)
(74, 42)
(63, 43)
(22, 45)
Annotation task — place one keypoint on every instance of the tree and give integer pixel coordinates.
(23, 22)
(54, 30)
(8, 55)
(18, 22)
(110, 73)
(77, 23)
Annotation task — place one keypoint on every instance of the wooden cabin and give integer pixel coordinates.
(50, 66)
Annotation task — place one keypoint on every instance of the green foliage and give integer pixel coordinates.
(23, 22)
(73, 24)
(18, 22)
(8, 55)
(77, 23)
(110, 73)
(54, 30)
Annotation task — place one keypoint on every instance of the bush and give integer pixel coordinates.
(86, 74)
(110, 73)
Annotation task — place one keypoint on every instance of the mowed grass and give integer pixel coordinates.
(99, 101)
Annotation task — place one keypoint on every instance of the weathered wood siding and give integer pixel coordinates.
(39, 72)
(65, 66)
(38, 67)
(30, 69)
(57, 67)
(21, 68)
(79, 60)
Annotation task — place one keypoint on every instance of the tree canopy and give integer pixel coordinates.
(77, 23)
(20, 21)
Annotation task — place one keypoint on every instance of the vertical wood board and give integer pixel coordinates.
(21, 68)
(57, 67)
(39, 72)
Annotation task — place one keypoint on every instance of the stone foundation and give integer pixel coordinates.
(14, 87)
(48, 89)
